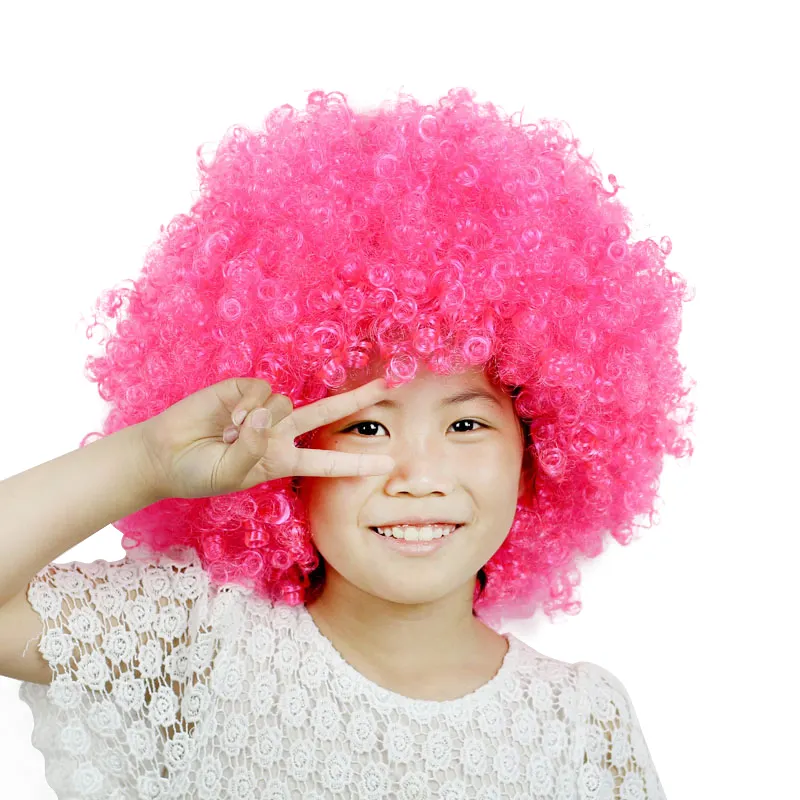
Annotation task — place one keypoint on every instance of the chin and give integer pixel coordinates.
(412, 595)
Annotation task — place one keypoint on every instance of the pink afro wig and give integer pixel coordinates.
(444, 236)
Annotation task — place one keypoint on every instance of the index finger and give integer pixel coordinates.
(338, 406)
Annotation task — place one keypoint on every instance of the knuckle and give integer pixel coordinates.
(256, 382)
(252, 389)
(280, 405)
(325, 414)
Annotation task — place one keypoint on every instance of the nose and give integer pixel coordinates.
(420, 468)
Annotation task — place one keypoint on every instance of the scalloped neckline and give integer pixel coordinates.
(483, 693)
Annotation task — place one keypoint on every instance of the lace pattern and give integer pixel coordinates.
(166, 687)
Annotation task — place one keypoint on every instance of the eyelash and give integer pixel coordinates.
(369, 421)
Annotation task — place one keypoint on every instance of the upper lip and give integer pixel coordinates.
(418, 521)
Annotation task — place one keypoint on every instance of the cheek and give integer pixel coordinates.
(333, 503)
(495, 477)
(490, 465)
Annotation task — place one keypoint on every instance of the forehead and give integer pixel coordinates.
(441, 391)
(460, 396)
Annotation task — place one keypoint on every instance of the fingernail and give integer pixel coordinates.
(239, 416)
(261, 418)
(230, 435)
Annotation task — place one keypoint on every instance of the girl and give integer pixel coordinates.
(445, 311)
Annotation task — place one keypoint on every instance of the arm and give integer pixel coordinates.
(49, 509)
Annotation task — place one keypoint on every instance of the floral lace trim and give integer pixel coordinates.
(498, 684)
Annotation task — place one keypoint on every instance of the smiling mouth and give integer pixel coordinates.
(385, 536)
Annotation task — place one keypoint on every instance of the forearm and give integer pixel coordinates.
(49, 509)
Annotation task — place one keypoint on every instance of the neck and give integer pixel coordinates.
(398, 639)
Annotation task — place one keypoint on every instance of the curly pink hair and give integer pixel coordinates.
(444, 235)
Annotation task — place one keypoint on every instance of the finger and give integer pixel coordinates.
(338, 406)
(335, 464)
(247, 447)
(230, 434)
(255, 393)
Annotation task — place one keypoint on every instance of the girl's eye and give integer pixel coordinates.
(369, 422)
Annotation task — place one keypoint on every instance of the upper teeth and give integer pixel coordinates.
(418, 532)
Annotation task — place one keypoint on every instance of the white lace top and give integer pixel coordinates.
(166, 688)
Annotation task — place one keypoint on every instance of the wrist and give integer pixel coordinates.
(151, 486)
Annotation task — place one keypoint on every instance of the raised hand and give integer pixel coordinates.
(196, 449)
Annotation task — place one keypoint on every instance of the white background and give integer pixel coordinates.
(690, 106)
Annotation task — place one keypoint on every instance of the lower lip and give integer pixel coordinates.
(417, 548)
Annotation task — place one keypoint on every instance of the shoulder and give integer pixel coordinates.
(179, 575)
(128, 651)
(594, 677)
(542, 666)
(604, 704)
(584, 689)
(114, 610)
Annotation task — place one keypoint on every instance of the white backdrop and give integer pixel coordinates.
(688, 104)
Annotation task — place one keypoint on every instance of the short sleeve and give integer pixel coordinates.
(127, 650)
(614, 762)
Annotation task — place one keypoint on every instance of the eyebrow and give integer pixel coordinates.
(461, 397)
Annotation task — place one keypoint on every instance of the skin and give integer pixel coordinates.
(407, 623)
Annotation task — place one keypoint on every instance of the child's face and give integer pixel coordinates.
(464, 472)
